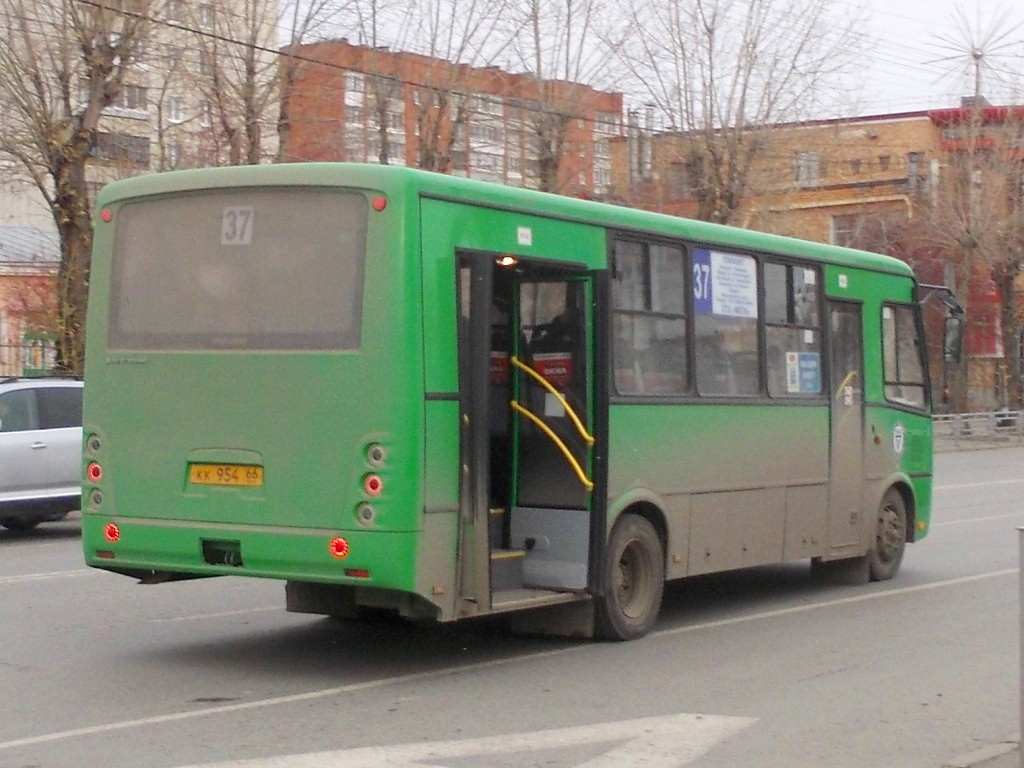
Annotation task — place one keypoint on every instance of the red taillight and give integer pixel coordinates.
(373, 485)
(106, 215)
(111, 532)
(357, 573)
(339, 547)
(379, 203)
(94, 472)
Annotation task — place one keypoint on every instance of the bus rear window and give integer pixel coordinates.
(239, 269)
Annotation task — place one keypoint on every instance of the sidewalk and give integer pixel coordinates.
(1004, 754)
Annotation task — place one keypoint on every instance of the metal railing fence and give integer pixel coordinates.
(991, 429)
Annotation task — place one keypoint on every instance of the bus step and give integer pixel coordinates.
(506, 569)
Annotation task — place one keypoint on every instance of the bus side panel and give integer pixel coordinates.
(756, 476)
(899, 446)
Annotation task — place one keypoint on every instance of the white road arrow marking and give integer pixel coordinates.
(667, 742)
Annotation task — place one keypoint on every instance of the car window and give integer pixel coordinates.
(18, 411)
(60, 407)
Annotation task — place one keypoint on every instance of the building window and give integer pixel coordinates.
(884, 161)
(206, 16)
(807, 169)
(175, 110)
(354, 82)
(121, 147)
(206, 115)
(867, 231)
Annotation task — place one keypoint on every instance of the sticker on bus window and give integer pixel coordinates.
(810, 277)
(499, 367)
(724, 284)
(803, 373)
(555, 367)
(236, 223)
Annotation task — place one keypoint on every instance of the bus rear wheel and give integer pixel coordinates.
(890, 537)
(633, 580)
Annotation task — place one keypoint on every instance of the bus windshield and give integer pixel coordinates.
(244, 268)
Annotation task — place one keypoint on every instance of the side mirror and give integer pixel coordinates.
(953, 339)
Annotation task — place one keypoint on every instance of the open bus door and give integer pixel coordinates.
(526, 394)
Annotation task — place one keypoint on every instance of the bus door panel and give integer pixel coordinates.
(846, 463)
(551, 517)
(475, 297)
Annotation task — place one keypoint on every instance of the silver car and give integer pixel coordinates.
(40, 450)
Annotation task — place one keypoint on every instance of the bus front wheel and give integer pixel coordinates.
(634, 579)
(890, 537)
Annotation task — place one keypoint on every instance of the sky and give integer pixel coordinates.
(918, 52)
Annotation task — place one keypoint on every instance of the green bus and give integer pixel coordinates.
(406, 391)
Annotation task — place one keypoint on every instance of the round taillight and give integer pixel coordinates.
(366, 514)
(95, 498)
(94, 472)
(111, 532)
(375, 454)
(93, 444)
(106, 215)
(379, 203)
(373, 485)
(339, 547)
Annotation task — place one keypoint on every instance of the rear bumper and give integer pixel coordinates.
(380, 559)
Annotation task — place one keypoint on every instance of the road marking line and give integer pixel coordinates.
(986, 484)
(220, 615)
(863, 598)
(985, 519)
(369, 685)
(44, 576)
(667, 740)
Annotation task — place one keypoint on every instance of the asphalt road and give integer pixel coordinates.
(759, 668)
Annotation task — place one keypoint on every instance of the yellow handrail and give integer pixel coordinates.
(587, 437)
(587, 482)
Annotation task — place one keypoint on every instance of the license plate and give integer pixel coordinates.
(225, 474)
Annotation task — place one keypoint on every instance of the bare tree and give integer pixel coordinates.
(451, 42)
(471, 35)
(722, 72)
(301, 21)
(236, 45)
(63, 63)
(972, 223)
(557, 43)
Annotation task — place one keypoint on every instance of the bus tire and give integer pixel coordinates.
(633, 580)
(885, 556)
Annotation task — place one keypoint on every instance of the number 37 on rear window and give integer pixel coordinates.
(236, 224)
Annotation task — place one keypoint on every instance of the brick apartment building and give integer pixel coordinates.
(364, 104)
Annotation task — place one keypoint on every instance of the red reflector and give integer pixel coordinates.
(105, 554)
(357, 573)
(106, 215)
(94, 472)
(379, 203)
(339, 548)
(373, 485)
(111, 532)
